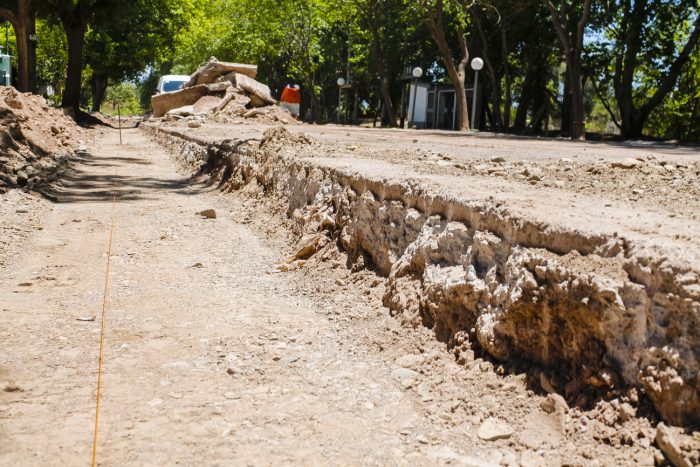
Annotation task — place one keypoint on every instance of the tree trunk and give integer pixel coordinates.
(572, 43)
(525, 97)
(578, 124)
(456, 71)
(541, 100)
(634, 118)
(633, 123)
(494, 79)
(380, 65)
(315, 104)
(461, 98)
(26, 49)
(565, 129)
(22, 57)
(23, 23)
(506, 72)
(75, 33)
(98, 87)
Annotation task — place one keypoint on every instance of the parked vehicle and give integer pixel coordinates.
(170, 83)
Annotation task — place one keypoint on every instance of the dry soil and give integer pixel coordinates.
(214, 357)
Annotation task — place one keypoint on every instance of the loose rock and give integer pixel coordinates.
(493, 429)
(208, 213)
(628, 163)
(404, 373)
(669, 446)
(409, 361)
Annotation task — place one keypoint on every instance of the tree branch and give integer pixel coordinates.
(558, 25)
(669, 81)
(9, 16)
(605, 103)
(582, 24)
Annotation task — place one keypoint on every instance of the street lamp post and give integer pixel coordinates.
(417, 73)
(477, 64)
(341, 83)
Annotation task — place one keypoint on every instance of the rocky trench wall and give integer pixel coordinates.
(602, 316)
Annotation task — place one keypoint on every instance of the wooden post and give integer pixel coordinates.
(119, 117)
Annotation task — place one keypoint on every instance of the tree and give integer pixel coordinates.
(303, 24)
(74, 16)
(434, 12)
(21, 14)
(52, 59)
(370, 13)
(121, 48)
(125, 95)
(647, 45)
(679, 115)
(570, 26)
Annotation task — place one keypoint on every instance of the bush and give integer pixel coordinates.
(126, 95)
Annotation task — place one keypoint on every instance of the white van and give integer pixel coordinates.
(170, 83)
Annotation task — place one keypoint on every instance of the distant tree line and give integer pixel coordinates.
(572, 65)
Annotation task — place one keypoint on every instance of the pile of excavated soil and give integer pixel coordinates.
(35, 140)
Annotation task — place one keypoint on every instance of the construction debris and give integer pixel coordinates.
(162, 103)
(227, 91)
(35, 140)
(213, 69)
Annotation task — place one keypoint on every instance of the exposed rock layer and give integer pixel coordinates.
(599, 313)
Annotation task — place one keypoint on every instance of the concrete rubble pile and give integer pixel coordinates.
(222, 90)
(35, 140)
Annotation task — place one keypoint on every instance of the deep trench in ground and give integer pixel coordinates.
(215, 355)
(600, 309)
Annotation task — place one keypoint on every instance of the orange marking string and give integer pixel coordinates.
(102, 336)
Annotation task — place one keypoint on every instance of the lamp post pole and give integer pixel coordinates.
(417, 72)
(477, 64)
(341, 83)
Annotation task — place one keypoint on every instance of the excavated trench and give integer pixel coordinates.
(600, 314)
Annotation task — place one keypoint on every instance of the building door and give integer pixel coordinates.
(446, 110)
(430, 111)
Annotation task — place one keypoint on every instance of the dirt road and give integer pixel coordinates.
(213, 357)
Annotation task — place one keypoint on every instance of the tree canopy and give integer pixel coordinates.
(551, 66)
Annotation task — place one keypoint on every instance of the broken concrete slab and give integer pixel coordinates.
(255, 89)
(213, 69)
(207, 105)
(180, 112)
(162, 103)
(234, 99)
(220, 86)
(230, 77)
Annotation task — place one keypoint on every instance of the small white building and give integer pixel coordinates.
(434, 106)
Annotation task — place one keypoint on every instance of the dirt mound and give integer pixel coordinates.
(35, 140)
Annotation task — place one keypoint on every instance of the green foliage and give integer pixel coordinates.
(51, 59)
(126, 95)
(640, 48)
(121, 46)
(11, 43)
(678, 117)
(313, 42)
